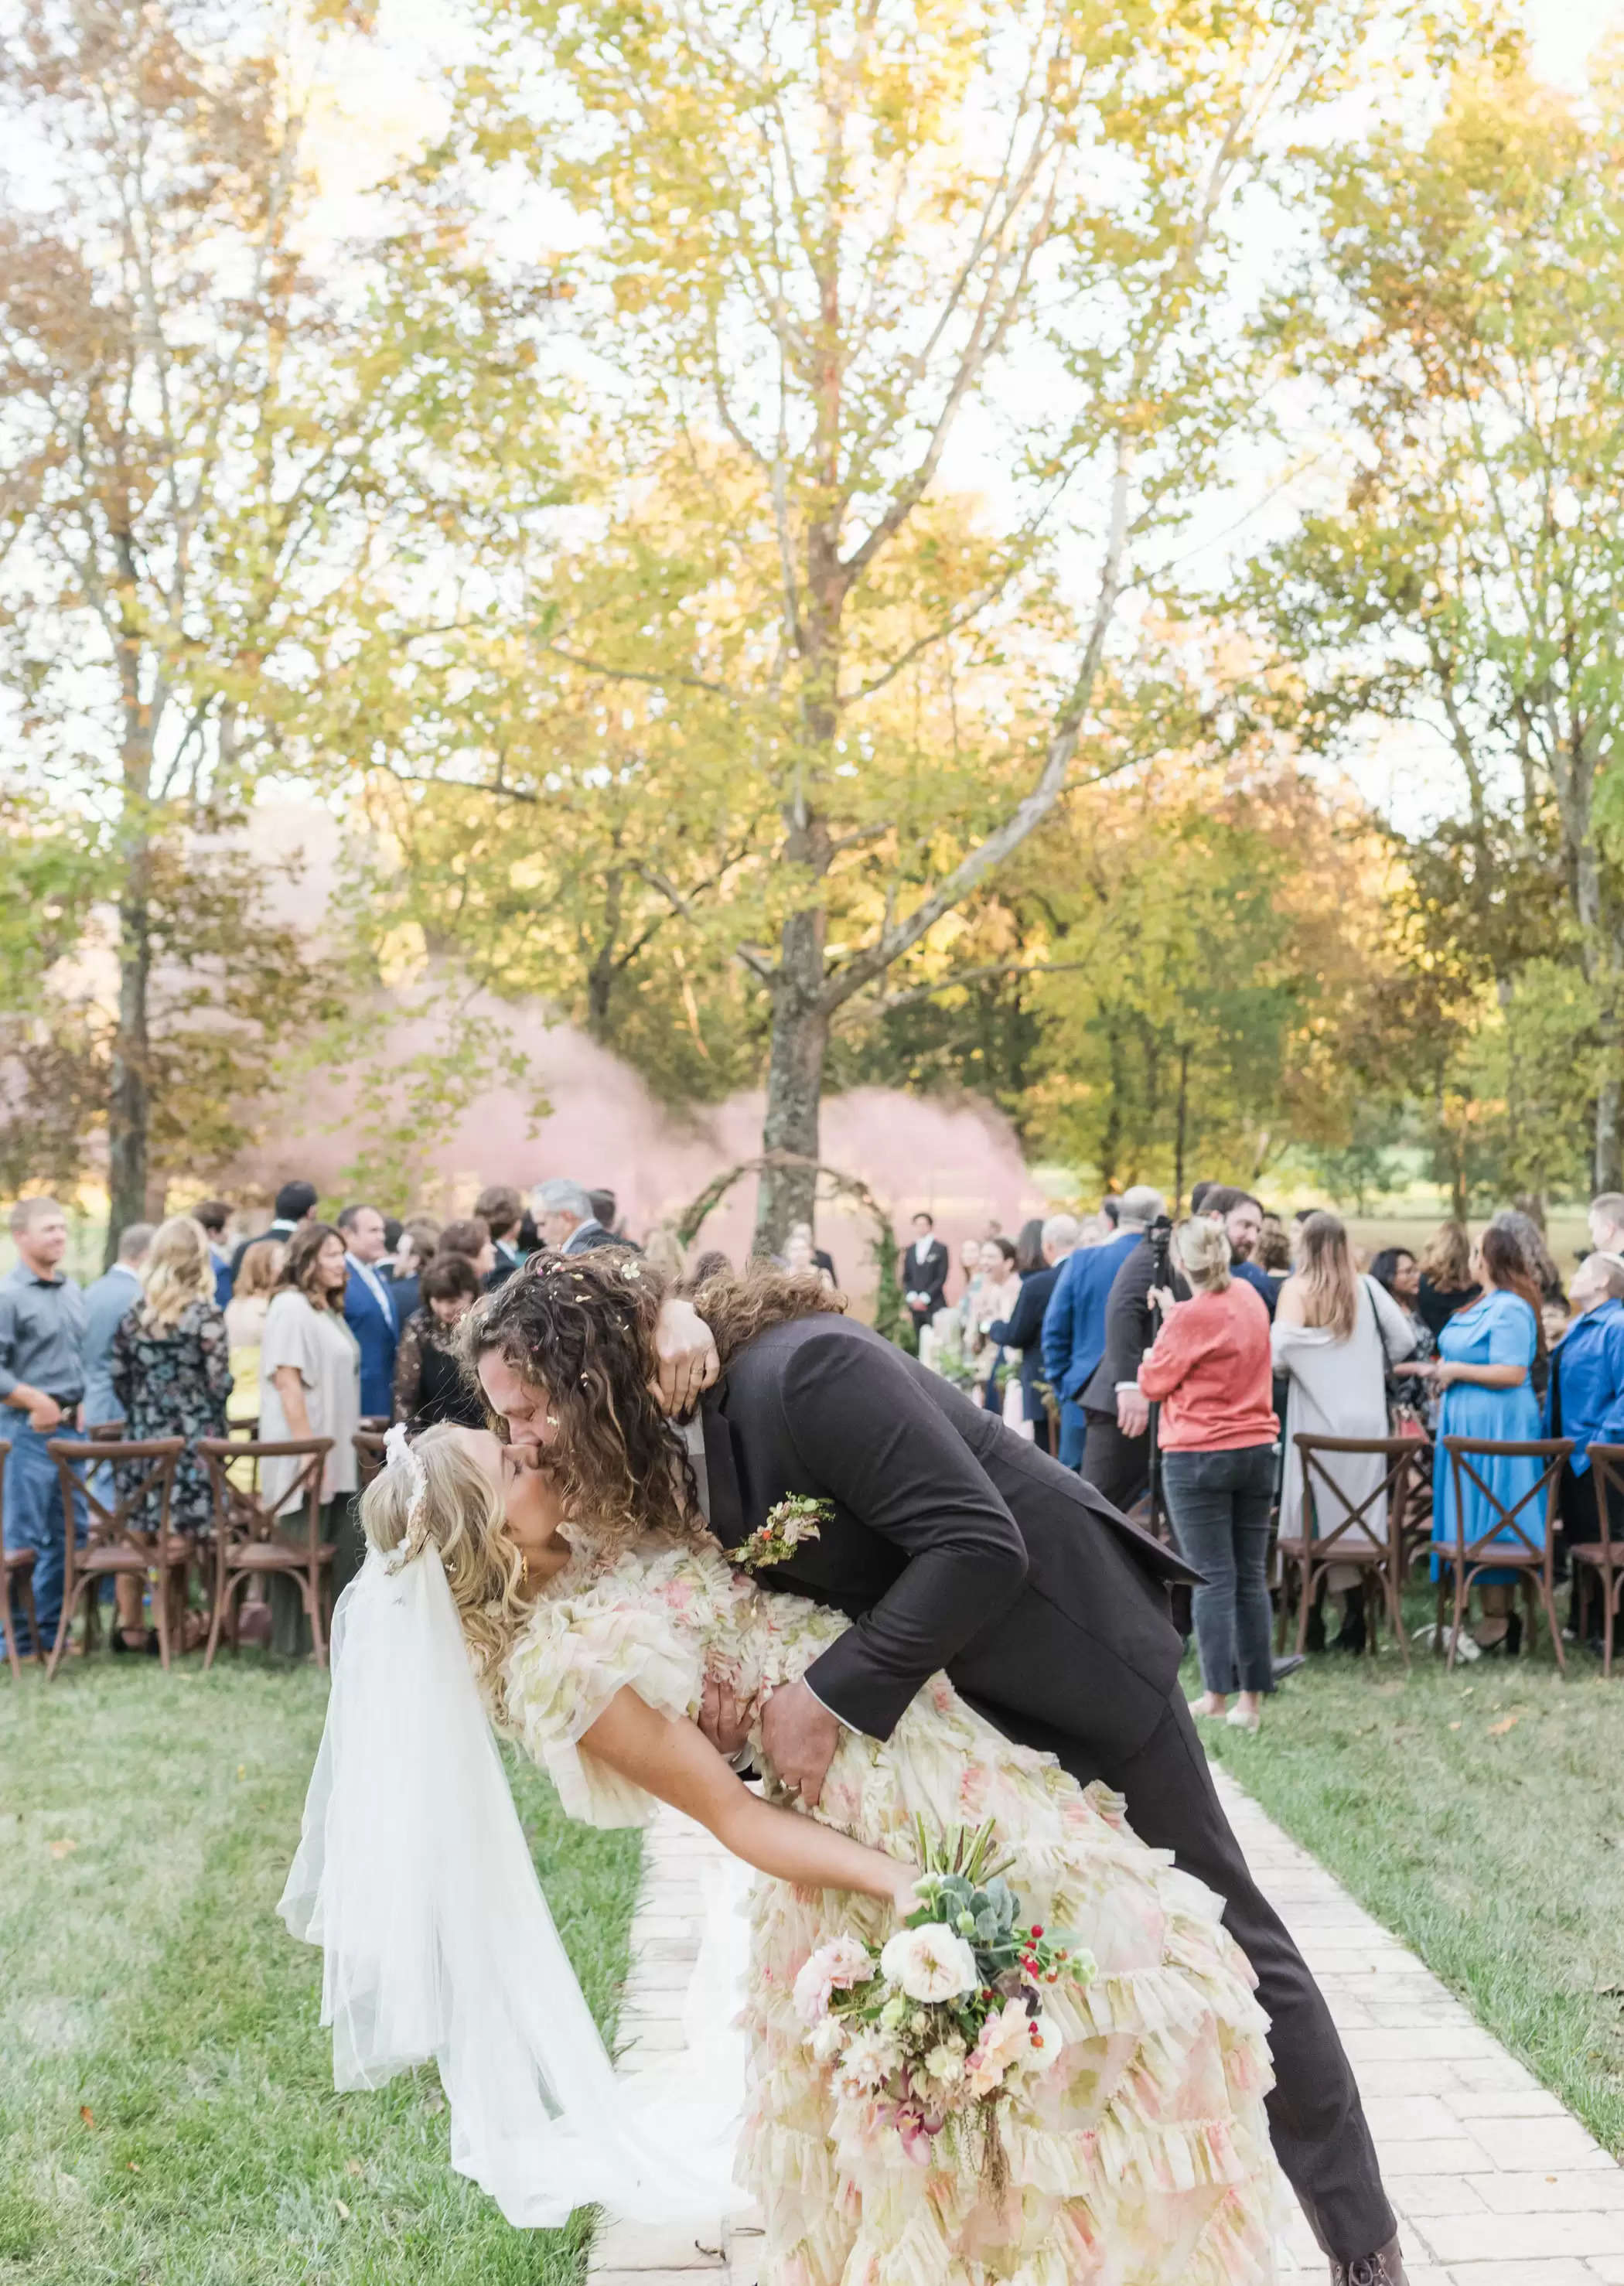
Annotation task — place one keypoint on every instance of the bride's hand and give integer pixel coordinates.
(724, 1715)
(905, 1900)
(686, 1362)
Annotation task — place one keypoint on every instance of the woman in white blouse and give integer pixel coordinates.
(309, 1371)
(1333, 1337)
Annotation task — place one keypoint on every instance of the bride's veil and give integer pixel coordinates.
(414, 1877)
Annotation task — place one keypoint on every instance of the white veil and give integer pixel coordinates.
(414, 1876)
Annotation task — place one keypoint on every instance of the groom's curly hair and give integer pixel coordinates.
(581, 1327)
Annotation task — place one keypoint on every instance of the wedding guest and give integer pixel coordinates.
(1273, 1251)
(245, 1324)
(1397, 1272)
(171, 1375)
(214, 1215)
(821, 1259)
(470, 1238)
(800, 1255)
(1335, 1335)
(1022, 1330)
(369, 1307)
(925, 1271)
(296, 1203)
(566, 1218)
(420, 1238)
(969, 1263)
(1209, 1370)
(604, 1208)
(995, 1297)
(1242, 1216)
(1076, 1324)
(310, 1386)
(712, 1264)
(1585, 1401)
(1445, 1282)
(1542, 1267)
(1606, 1221)
(106, 1305)
(431, 1384)
(499, 1207)
(41, 1385)
(1485, 1369)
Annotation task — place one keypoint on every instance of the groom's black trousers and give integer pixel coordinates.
(1316, 2121)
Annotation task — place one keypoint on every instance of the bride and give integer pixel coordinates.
(1138, 2157)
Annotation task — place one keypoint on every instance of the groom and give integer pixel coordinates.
(955, 1544)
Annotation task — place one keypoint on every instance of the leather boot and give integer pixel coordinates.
(1384, 2268)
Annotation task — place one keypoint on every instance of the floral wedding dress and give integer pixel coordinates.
(1140, 2158)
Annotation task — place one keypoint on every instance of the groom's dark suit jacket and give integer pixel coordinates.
(954, 1544)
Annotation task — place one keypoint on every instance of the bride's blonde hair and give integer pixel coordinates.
(461, 1515)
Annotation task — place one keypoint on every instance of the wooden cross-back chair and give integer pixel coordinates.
(368, 1445)
(255, 1540)
(1337, 1531)
(16, 1571)
(1603, 1560)
(128, 1536)
(1531, 1561)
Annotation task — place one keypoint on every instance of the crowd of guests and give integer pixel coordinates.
(305, 1329)
(1243, 1330)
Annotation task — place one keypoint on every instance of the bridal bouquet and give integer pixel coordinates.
(937, 2030)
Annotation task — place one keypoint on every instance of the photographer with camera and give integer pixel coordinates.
(1211, 1374)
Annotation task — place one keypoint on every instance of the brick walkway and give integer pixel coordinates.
(1495, 2184)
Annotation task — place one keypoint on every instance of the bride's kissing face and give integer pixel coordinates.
(521, 1404)
(529, 1499)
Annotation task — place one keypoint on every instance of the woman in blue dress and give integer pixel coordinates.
(1484, 1369)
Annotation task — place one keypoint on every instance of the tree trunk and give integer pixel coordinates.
(1609, 1124)
(129, 1103)
(794, 1082)
(1181, 1128)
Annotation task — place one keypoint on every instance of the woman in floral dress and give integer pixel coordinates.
(172, 1373)
(1140, 2157)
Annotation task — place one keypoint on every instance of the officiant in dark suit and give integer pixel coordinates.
(951, 1544)
(1023, 1329)
(925, 1271)
(369, 1308)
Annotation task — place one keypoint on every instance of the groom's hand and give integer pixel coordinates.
(686, 1362)
(798, 1735)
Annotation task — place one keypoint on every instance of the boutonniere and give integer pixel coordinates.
(797, 1518)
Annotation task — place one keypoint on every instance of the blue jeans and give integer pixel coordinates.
(1074, 1434)
(1218, 1504)
(34, 1519)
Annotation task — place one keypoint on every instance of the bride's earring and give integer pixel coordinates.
(524, 1569)
(552, 1421)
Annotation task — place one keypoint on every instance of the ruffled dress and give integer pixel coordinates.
(1140, 2158)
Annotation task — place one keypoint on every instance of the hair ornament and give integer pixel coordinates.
(398, 1453)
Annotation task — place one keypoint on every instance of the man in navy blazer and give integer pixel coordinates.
(1074, 1323)
(369, 1307)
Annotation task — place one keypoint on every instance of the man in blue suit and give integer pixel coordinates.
(369, 1307)
(1074, 1324)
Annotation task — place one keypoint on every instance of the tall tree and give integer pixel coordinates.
(822, 248)
(1464, 312)
(201, 446)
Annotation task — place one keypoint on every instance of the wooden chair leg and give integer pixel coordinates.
(1392, 1597)
(1462, 1590)
(25, 1588)
(8, 1626)
(64, 1627)
(1548, 1597)
(318, 1638)
(1304, 1601)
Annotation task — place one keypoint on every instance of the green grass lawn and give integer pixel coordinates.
(166, 2111)
(1480, 1816)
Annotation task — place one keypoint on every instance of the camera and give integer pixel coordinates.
(1161, 1237)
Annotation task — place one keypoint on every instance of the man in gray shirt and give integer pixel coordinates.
(42, 1385)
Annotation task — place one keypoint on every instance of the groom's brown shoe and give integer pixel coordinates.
(1384, 2268)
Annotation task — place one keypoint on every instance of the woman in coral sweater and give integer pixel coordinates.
(1212, 1375)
